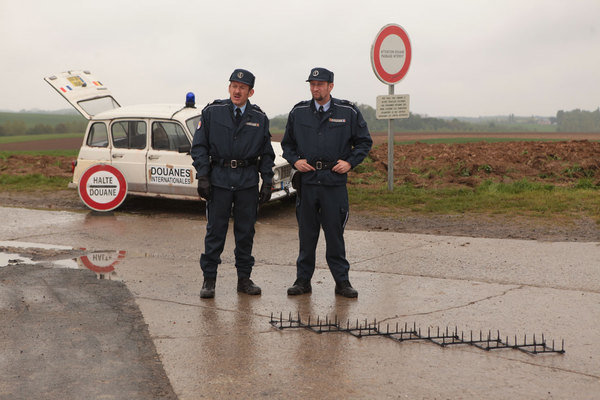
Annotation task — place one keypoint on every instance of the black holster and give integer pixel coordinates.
(297, 182)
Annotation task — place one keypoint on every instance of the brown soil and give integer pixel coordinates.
(423, 165)
(468, 164)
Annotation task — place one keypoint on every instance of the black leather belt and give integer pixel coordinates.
(318, 165)
(234, 163)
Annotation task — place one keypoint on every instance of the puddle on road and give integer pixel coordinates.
(102, 263)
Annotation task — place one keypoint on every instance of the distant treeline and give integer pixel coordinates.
(578, 121)
(416, 122)
(566, 121)
(12, 124)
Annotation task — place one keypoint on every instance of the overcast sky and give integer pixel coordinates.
(470, 57)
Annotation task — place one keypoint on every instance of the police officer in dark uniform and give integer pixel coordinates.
(324, 138)
(231, 146)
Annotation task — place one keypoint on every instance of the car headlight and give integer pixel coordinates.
(276, 174)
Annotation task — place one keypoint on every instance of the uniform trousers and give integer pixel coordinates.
(218, 210)
(322, 206)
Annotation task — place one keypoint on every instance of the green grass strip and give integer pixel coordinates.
(32, 182)
(518, 198)
(33, 138)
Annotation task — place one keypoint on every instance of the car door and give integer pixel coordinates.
(128, 153)
(169, 165)
(85, 93)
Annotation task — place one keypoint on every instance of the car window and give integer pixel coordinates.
(192, 124)
(168, 136)
(98, 136)
(129, 134)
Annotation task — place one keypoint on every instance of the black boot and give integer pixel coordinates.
(208, 288)
(345, 289)
(245, 285)
(299, 287)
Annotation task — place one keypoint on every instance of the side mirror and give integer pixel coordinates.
(186, 148)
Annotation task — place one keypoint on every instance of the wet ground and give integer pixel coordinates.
(147, 267)
(282, 213)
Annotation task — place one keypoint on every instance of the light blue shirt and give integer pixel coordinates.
(325, 106)
(242, 109)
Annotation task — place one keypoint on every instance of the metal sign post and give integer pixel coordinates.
(391, 54)
(390, 148)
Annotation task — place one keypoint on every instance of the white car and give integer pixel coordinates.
(149, 144)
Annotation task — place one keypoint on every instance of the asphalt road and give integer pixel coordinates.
(69, 332)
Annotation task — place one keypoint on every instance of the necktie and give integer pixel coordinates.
(321, 110)
(238, 116)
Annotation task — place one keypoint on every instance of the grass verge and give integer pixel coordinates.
(33, 138)
(32, 182)
(54, 153)
(521, 198)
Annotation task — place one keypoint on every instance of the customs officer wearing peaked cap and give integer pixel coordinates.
(324, 139)
(231, 147)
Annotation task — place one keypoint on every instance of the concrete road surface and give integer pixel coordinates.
(148, 273)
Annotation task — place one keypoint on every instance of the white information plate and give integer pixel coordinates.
(392, 106)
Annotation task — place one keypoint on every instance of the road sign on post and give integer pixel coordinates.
(391, 54)
(392, 106)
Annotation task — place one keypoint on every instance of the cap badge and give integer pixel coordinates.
(315, 72)
(240, 75)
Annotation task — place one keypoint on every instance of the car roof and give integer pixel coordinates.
(161, 111)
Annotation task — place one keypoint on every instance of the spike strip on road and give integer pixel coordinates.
(398, 333)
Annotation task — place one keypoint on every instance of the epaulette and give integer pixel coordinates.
(347, 102)
(257, 108)
(304, 103)
(213, 103)
(301, 103)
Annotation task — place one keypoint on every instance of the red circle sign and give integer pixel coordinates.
(391, 54)
(102, 187)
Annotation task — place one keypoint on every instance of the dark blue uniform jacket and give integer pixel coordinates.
(217, 138)
(341, 133)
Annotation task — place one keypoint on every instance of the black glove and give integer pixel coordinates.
(204, 187)
(265, 193)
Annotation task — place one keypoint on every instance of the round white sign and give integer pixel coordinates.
(391, 54)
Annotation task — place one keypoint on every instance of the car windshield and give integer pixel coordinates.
(192, 124)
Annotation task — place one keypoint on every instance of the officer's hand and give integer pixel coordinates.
(204, 187)
(265, 193)
(303, 166)
(342, 167)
